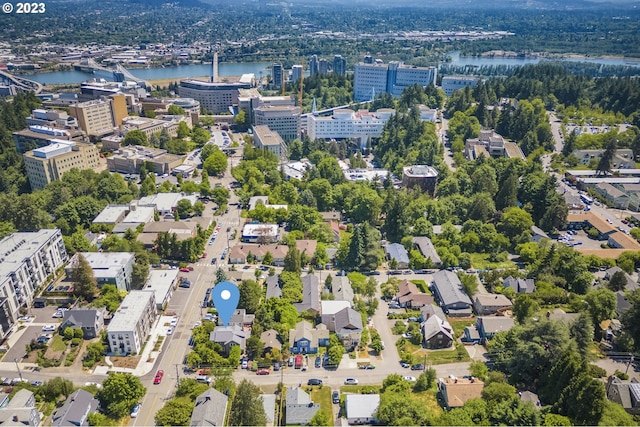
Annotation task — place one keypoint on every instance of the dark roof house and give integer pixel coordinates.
(90, 320)
(450, 293)
(310, 295)
(210, 409)
(75, 410)
(299, 407)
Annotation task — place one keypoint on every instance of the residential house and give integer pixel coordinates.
(437, 333)
(488, 326)
(457, 391)
(519, 285)
(240, 318)
(271, 340)
(329, 309)
(626, 393)
(269, 405)
(428, 251)
(347, 324)
(75, 410)
(631, 284)
(527, 396)
(210, 409)
(310, 295)
(273, 287)
(362, 408)
(450, 294)
(299, 408)
(431, 310)
(341, 289)
(399, 253)
(21, 410)
(229, 336)
(537, 234)
(90, 320)
(485, 304)
(306, 339)
(409, 296)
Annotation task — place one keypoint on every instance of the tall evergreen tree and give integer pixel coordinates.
(247, 408)
(85, 285)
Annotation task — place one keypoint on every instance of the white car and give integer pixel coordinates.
(58, 315)
(350, 381)
(409, 378)
(135, 410)
(174, 322)
(198, 323)
(48, 328)
(170, 331)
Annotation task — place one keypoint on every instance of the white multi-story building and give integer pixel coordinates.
(283, 119)
(27, 259)
(265, 138)
(215, 97)
(131, 324)
(114, 268)
(452, 83)
(373, 79)
(349, 124)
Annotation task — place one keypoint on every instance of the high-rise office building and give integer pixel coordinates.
(296, 73)
(313, 65)
(368, 59)
(339, 65)
(277, 73)
(100, 116)
(283, 119)
(373, 79)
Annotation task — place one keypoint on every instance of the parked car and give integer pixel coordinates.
(405, 365)
(135, 411)
(335, 397)
(417, 367)
(409, 378)
(158, 378)
(48, 328)
(350, 381)
(318, 362)
(314, 381)
(276, 366)
(262, 372)
(184, 269)
(203, 379)
(36, 383)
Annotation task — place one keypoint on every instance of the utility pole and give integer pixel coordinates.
(18, 367)
(629, 364)
(177, 374)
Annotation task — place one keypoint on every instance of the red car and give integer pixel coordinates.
(262, 372)
(184, 269)
(158, 377)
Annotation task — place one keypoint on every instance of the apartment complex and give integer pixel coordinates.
(452, 83)
(373, 79)
(339, 65)
(265, 138)
(277, 74)
(100, 116)
(349, 124)
(214, 97)
(49, 163)
(132, 322)
(130, 159)
(296, 73)
(26, 260)
(113, 268)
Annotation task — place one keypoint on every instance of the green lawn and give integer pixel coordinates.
(322, 396)
(458, 325)
(440, 357)
(481, 262)
(57, 344)
(422, 285)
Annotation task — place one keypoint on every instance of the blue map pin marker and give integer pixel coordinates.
(225, 296)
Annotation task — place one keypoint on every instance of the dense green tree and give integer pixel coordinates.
(119, 393)
(85, 285)
(601, 304)
(56, 387)
(135, 137)
(176, 412)
(247, 408)
(215, 163)
(250, 295)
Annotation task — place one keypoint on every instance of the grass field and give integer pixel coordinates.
(322, 395)
(422, 285)
(481, 262)
(458, 325)
(57, 344)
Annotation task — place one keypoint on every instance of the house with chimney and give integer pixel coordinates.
(210, 409)
(75, 410)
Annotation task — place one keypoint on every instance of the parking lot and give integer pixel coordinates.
(31, 331)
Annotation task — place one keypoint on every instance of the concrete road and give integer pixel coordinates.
(441, 132)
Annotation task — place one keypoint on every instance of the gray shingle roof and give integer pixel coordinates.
(397, 251)
(76, 409)
(435, 325)
(299, 407)
(427, 249)
(348, 318)
(310, 294)
(210, 409)
(431, 310)
(273, 287)
(80, 318)
(341, 288)
(229, 334)
(269, 404)
(450, 289)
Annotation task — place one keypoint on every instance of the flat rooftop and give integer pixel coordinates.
(106, 264)
(131, 308)
(18, 246)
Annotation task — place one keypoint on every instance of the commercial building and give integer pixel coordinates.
(114, 268)
(214, 97)
(131, 324)
(452, 83)
(365, 174)
(373, 79)
(265, 138)
(47, 164)
(100, 116)
(283, 119)
(26, 260)
(151, 126)
(260, 233)
(339, 65)
(166, 203)
(130, 159)
(36, 136)
(51, 118)
(423, 176)
(348, 124)
(362, 408)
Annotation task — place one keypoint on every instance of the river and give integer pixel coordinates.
(237, 69)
